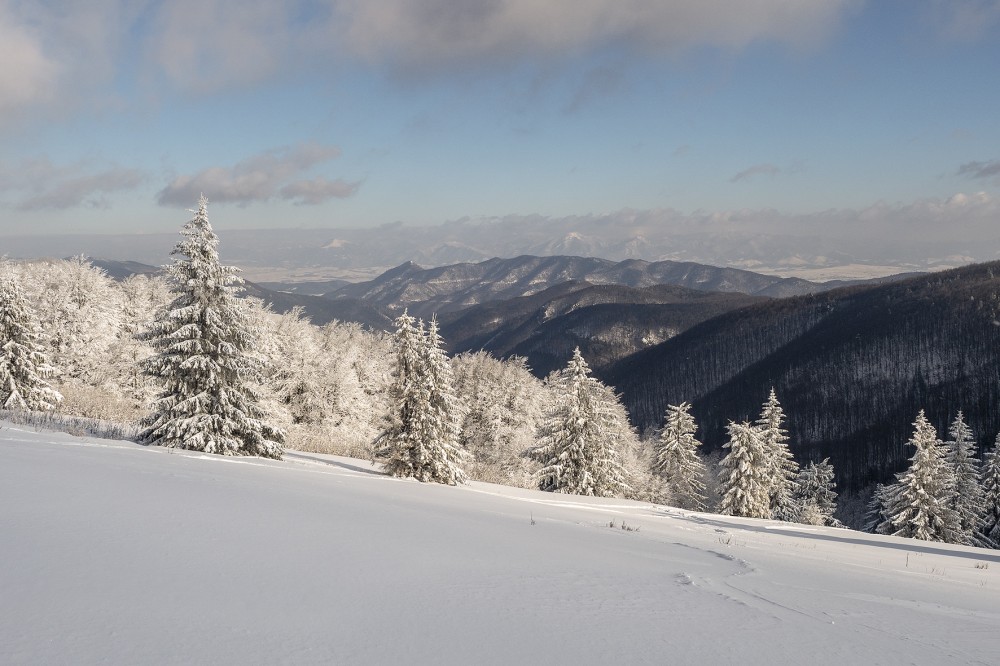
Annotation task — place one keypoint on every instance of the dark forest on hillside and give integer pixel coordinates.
(852, 368)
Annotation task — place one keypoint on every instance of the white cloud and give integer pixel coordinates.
(39, 184)
(318, 190)
(894, 234)
(433, 33)
(27, 75)
(990, 169)
(60, 55)
(202, 45)
(965, 20)
(258, 178)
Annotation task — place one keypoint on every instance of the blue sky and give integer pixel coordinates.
(345, 113)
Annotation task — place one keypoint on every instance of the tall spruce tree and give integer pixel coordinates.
(918, 505)
(782, 470)
(676, 458)
(967, 495)
(24, 366)
(989, 530)
(422, 438)
(205, 357)
(744, 474)
(578, 450)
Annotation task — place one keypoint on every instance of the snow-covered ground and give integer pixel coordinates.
(115, 553)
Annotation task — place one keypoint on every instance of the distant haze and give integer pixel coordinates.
(834, 244)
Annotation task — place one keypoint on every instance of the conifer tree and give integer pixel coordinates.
(782, 469)
(744, 474)
(989, 529)
(816, 494)
(579, 437)
(875, 513)
(205, 357)
(422, 439)
(967, 495)
(918, 505)
(402, 436)
(24, 366)
(444, 416)
(676, 458)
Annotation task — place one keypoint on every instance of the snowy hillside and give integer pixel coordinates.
(116, 553)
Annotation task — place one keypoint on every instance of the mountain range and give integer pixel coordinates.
(426, 291)
(607, 322)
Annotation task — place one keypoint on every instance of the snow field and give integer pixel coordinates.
(117, 553)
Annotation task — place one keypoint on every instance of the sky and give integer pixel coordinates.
(115, 115)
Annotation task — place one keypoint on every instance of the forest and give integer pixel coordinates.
(854, 366)
(195, 366)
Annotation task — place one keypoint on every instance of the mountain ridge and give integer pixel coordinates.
(428, 291)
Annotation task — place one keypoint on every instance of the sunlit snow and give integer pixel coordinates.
(116, 553)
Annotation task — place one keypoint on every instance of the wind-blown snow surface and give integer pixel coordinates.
(116, 553)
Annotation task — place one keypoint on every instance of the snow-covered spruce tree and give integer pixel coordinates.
(815, 493)
(23, 365)
(744, 474)
(989, 530)
(444, 418)
(422, 439)
(967, 496)
(205, 357)
(875, 514)
(676, 458)
(782, 469)
(918, 505)
(578, 437)
(398, 441)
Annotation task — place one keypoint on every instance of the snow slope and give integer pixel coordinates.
(116, 553)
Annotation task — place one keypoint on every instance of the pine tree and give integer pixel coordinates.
(918, 505)
(782, 469)
(205, 357)
(744, 474)
(676, 458)
(989, 530)
(967, 496)
(816, 494)
(24, 366)
(579, 436)
(422, 439)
